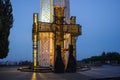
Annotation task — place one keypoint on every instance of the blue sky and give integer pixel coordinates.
(100, 20)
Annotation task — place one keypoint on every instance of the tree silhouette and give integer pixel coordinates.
(103, 57)
(109, 56)
(6, 21)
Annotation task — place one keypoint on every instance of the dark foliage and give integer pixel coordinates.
(6, 21)
(59, 65)
(71, 66)
(25, 63)
(110, 57)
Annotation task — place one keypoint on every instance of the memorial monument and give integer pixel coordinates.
(54, 36)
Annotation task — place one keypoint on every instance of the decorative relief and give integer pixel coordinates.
(44, 50)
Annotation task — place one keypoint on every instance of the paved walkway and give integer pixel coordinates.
(14, 74)
(105, 73)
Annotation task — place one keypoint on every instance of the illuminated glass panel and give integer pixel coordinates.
(45, 12)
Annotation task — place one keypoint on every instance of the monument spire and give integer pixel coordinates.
(47, 9)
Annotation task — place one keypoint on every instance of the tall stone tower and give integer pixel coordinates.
(55, 28)
(47, 9)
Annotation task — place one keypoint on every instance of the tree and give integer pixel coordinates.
(103, 57)
(112, 56)
(6, 22)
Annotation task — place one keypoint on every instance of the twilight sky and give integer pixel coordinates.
(100, 20)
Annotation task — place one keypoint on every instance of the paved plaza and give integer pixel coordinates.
(11, 73)
(14, 74)
(102, 72)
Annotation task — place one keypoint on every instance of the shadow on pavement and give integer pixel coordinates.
(112, 78)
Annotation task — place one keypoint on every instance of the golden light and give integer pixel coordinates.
(34, 76)
(35, 56)
(35, 18)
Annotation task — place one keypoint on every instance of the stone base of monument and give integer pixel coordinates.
(37, 69)
(47, 69)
